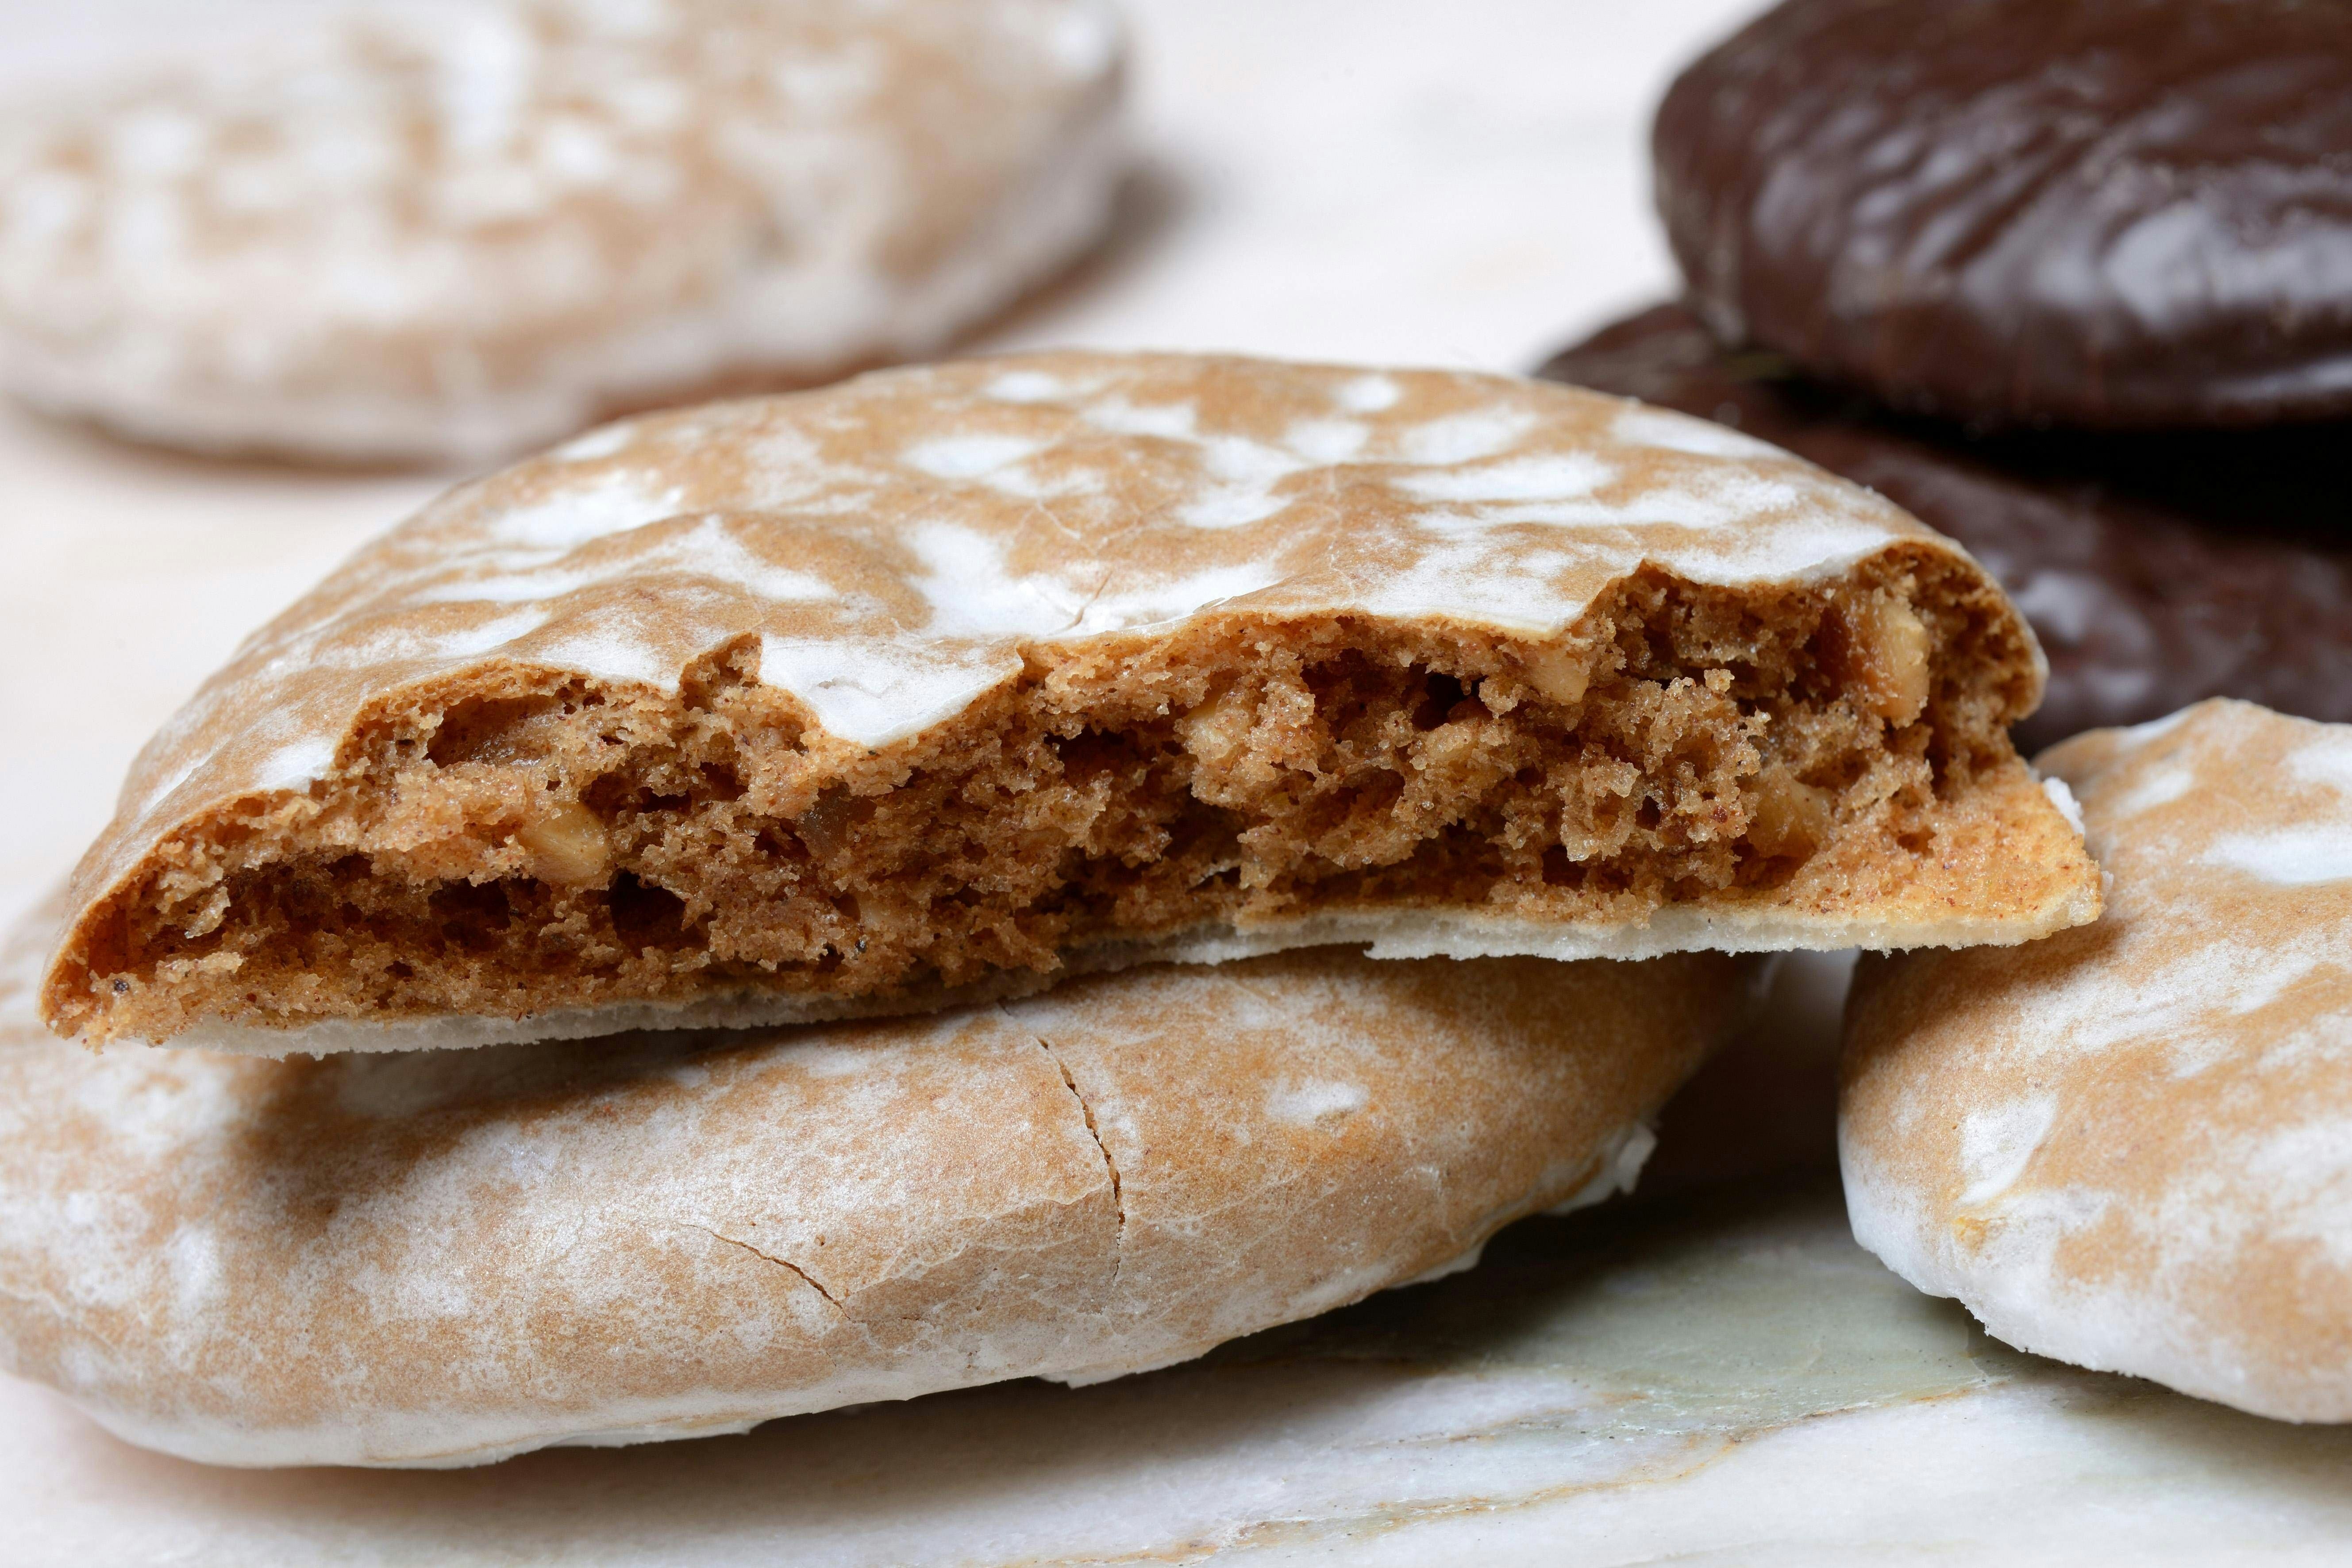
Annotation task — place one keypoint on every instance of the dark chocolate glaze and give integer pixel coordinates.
(2110, 213)
(2157, 569)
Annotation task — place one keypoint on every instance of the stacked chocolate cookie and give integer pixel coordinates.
(2074, 283)
(2068, 282)
(502, 904)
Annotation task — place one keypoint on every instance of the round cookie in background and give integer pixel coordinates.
(2098, 212)
(445, 1258)
(2130, 1146)
(440, 234)
(2157, 569)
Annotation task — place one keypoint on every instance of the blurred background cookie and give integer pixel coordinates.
(2105, 213)
(444, 234)
(2157, 569)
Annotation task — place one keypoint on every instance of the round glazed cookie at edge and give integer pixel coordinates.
(427, 236)
(2127, 213)
(2157, 569)
(937, 683)
(445, 1258)
(2130, 1146)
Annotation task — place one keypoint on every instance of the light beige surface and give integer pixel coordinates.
(2130, 1146)
(449, 232)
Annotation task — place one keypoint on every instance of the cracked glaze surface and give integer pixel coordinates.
(453, 232)
(2130, 1146)
(443, 1257)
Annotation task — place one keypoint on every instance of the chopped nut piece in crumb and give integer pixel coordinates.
(1890, 657)
(1790, 817)
(1563, 674)
(566, 844)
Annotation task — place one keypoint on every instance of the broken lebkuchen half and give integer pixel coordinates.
(934, 683)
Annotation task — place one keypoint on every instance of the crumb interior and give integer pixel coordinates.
(516, 840)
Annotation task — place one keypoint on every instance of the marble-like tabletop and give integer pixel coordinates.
(1710, 1373)
(1712, 1377)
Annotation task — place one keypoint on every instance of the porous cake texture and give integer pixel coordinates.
(446, 233)
(2130, 1146)
(945, 680)
(442, 1258)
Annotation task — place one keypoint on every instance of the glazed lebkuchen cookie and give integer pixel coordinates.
(2126, 1147)
(442, 1258)
(937, 683)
